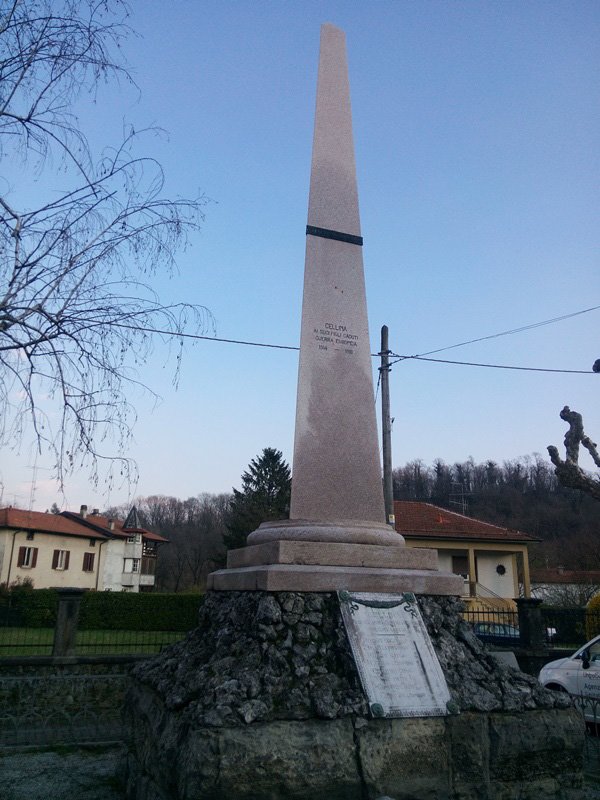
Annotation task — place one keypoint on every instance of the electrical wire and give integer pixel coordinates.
(398, 357)
(493, 366)
(508, 333)
(182, 335)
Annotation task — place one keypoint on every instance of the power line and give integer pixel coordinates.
(508, 333)
(182, 335)
(492, 366)
(398, 357)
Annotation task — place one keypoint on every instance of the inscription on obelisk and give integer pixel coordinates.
(336, 469)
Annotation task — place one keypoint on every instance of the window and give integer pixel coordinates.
(60, 559)
(148, 565)
(27, 557)
(134, 538)
(88, 562)
(30, 536)
(460, 566)
(92, 543)
(131, 565)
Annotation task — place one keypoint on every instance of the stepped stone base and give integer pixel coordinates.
(347, 555)
(309, 556)
(295, 578)
(263, 702)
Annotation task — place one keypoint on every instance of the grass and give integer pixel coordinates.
(38, 641)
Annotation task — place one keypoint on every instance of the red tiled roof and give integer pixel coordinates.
(119, 530)
(100, 521)
(416, 520)
(45, 523)
(69, 523)
(560, 575)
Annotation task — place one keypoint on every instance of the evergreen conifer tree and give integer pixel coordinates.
(265, 494)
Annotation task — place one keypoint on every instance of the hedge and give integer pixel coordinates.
(568, 625)
(139, 612)
(110, 610)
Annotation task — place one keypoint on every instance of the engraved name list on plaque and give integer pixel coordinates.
(398, 667)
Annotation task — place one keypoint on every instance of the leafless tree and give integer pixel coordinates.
(568, 470)
(195, 529)
(77, 314)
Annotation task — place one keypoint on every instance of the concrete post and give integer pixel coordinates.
(67, 618)
(531, 623)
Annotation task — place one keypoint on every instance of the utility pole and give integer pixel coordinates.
(386, 424)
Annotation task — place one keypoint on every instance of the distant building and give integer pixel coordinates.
(493, 561)
(87, 551)
(565, 587)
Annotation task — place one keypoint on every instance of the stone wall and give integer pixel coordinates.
(263, 702)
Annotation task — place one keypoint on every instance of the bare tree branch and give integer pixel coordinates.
(77, 267)
(568, 471)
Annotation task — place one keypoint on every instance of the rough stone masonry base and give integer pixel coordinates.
(263, 702)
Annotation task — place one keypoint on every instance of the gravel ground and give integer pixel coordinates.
(61, 773)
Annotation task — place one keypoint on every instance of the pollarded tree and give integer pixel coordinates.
(76, 312)
(569, 472)
(265, 495)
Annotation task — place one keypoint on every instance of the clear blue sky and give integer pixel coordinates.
(477, 142)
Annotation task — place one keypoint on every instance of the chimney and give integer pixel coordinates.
(95, 512)
(111, 524)
(83, 511)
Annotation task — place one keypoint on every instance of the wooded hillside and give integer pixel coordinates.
(522, 494)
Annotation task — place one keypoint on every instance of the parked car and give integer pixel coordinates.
(496, 632)
(579, 675)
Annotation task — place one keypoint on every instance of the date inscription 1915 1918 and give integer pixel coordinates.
(335, 336)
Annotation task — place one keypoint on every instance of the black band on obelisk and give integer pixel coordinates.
(325, 233)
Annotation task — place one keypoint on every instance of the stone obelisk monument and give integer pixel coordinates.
(336, 537)
(337, 474)
(268, 698)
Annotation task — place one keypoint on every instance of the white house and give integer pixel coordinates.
(82, 550)
(493, 561)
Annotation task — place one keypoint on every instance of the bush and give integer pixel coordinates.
(109, 610)
(567, 624)
(592, 617)
(37, 607)
(139, 612)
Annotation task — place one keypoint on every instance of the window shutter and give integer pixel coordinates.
(67, 559)
(91, 566)
(55, 559)
(34, 557)
(21, 557)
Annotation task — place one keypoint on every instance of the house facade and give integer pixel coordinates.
(87, 551)
(493, 561)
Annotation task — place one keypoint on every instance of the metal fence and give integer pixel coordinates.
(562, 628)
(497, 627)
(569, 628)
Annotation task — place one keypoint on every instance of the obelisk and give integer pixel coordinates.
(336, 469)
(336, 537)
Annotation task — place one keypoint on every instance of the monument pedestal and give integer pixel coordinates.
(308, 556)
(263, 702)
